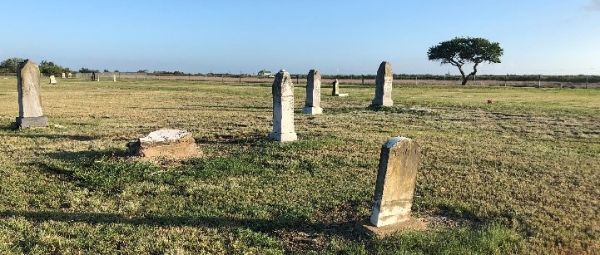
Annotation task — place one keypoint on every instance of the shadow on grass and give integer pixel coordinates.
(489, 239)
(12, 126)
(97, 170)
(265, 108)
(200, 107)
(229, 139)
(415, 110)
(347, 230)
(88, 156)
(56, 136)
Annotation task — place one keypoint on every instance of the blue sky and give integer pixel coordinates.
(538, 36)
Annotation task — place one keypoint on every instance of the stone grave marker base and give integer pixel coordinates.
(411, 224)
(31, 122)
(287, 137)
(312, 110)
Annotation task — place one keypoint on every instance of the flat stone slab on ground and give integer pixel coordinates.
(167, 143)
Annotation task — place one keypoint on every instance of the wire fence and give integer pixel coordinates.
(579, 81)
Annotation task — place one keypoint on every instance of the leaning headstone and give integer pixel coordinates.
(383, 85)
(313, 93)
(283, 108)
(165, 143)
(336, 89)
(30, 100)
(396, 179)
(52, 79)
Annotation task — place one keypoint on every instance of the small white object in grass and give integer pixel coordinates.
(164, 135)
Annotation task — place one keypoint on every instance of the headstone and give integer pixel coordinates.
(283, 108)
(313, 93)
(63, 75)
(336, 89)
(165, 143)
(114, 78)
(30, 101)
(69, 75)
(52, 79)
(396, 179)
(383, 85)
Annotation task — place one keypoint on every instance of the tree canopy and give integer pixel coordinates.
(460, 51)
(10, 65)
(88, 70)
(49, 68)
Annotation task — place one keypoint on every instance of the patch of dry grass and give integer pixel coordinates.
(520, 174)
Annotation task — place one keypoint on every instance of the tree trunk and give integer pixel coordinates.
(472, 74)
(465, 79)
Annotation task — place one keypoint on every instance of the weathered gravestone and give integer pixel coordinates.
(165, 143)
(69, 75)
(383, 85)
(283, 108)
(336, 89)
(52, 79)
(29, 96)
(114, 78)
(396, 179)
(313, 93)
(63, 75)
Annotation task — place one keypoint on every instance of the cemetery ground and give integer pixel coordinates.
(518, 175)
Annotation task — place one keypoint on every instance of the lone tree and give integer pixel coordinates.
(460, 51)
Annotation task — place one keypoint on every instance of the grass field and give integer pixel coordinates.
(520, 175)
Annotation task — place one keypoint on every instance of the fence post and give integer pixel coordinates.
(539, 81)
(505, 80)
(222, 79)
(363, 79)
(297, 79)
(416, 80)
(587, 80)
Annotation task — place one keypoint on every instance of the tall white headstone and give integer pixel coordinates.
(29, 96)
(383, 85)
(313, 93)
(283, 108)
(396, 179)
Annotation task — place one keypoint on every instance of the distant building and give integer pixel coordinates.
(265, 73)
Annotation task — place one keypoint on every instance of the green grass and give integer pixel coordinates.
(520, 175)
